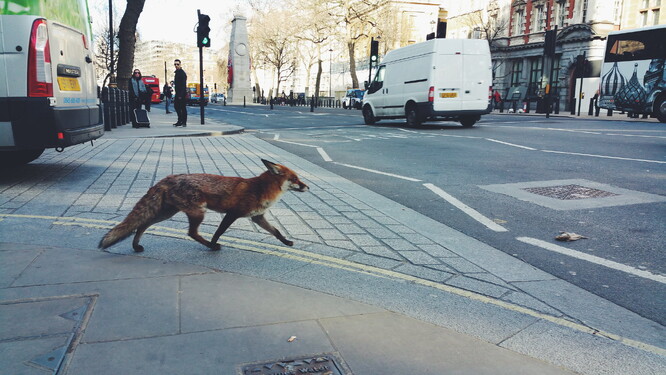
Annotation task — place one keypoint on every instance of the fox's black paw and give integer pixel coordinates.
(138, 249)
(287, 242)
(215, 246)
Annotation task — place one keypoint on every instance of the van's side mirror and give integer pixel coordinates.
(366, 84)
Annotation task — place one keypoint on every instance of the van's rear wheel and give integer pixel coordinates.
(412, 115)
(368, 117)
(660, 108)
(469, 121)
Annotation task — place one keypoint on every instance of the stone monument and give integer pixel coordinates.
(239, 63)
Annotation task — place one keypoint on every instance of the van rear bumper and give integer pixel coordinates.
(426, 109)
(31, 123)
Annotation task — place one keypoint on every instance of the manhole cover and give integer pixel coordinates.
(324, 364)
(569, 192)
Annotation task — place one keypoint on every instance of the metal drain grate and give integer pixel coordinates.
(569, 192)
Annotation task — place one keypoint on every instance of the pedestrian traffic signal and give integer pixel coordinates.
(203, 40)
(374, 51)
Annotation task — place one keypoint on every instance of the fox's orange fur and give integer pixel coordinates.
(193, 193)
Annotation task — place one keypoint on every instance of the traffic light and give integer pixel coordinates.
(550, 41)
(203, 40)
(374, 51)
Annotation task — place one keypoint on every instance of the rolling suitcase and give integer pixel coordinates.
(140, 119)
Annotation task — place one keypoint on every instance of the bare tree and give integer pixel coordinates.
(127, 39)
(316, 28)
(275, 43)
(102, 59)
(358, 18)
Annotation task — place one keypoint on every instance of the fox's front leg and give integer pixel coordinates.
(261, 220)
(229, 219)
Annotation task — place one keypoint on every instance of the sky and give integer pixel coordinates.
(174, 20)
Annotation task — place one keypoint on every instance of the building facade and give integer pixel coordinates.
(516, 31)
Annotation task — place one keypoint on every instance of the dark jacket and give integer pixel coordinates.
(167, 91)
(180, 83)
(135, 85)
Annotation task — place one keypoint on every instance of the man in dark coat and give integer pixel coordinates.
(180, 88)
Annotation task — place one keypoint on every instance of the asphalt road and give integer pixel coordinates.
(444, 171)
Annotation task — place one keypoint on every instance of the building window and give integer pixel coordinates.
(561, 13)
(519, 22)
(643, 17)
(536, 72)
(617, 12)
(645, 3)
(540, 17)
(655, 17)
(516, 72)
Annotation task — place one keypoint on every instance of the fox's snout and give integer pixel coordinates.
(298, 186)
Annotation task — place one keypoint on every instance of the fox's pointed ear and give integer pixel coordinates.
(272, 167)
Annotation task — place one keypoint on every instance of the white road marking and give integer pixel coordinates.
(276, 137)
(378, 172)
(604, 156)
(593, 259)
(474, 214)
(511, 144)
(324, 154)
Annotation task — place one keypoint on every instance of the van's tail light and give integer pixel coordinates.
(40, 80)
(490, 92)
(431, 94)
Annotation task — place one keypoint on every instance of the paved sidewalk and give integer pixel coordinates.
(362, 269)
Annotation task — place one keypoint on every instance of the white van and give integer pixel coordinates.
(48, 89)
(437, 79)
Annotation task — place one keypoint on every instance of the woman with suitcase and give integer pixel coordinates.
(138, 96)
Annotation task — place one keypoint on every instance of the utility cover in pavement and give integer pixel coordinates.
(568, 192)
(575, 194)
(323, 364)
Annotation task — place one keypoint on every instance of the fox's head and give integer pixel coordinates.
(291, 180)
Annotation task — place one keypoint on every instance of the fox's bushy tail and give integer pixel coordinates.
(145, 210)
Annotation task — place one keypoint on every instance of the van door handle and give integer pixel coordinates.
(88, 59)
(466, 91)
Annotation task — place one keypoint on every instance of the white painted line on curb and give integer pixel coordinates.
(605, 157)
(378, 172)
(593, 259)
(474, 214)
(511, 144)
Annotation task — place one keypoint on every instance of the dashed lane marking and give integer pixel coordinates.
(319, 259)
(592, 259)
(474, 214)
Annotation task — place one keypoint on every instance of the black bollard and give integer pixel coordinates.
(312, 104)
(105, 108)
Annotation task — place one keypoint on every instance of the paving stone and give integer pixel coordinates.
(419, 257)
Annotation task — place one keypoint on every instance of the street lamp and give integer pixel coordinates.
(330, 70)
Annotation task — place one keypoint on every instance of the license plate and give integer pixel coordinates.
(448, 94)
(69, 84)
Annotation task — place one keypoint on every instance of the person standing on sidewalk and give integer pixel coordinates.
(167, 92)
(138, 94)
(180, 87)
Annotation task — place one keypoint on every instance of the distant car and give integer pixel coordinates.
(353, 99)
(217, 98)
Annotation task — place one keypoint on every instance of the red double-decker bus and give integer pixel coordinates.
(153, 83)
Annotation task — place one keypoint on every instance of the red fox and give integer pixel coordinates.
(193, 193)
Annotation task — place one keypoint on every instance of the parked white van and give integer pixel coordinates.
(437, 79)
(48, 89)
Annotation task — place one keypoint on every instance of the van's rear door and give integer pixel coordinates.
(74, 75)
(477, 75)
(448, 80)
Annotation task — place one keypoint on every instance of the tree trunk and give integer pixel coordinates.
(318, 81)
(127, 37)
(352, 64)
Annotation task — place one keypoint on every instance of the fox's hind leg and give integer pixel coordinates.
(166, 213)
(195, 218)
